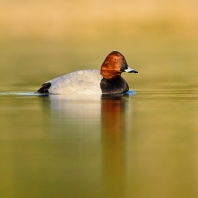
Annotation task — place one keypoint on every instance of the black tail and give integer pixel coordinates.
(44, 88)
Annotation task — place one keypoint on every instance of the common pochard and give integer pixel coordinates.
(106, 81)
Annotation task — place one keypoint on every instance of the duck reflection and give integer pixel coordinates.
(76, 117)
(95, 128)
(107, 113)
(114, 120)
(114, 116)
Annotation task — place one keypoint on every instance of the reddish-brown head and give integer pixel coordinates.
(114, 65)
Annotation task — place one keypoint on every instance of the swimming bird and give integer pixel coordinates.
(106, 81)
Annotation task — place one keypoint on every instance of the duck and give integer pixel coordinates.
(107, 80)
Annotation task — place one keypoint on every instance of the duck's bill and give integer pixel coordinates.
(130, 70)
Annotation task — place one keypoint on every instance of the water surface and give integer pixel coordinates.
(137, 145)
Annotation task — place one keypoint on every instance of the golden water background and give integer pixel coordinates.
(143, 145)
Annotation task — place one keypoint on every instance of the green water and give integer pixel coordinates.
(141, 145)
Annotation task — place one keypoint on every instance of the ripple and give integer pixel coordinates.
(20, 94)
(129, 93)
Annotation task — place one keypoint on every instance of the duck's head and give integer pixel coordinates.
(114, 64)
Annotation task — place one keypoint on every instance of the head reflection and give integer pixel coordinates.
(113, 117)
(114, 120)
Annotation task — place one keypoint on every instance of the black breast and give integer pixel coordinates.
(114, 85)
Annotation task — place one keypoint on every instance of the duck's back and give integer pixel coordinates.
(79, 82)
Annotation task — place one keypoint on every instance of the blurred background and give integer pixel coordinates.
(40, 40)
